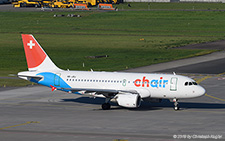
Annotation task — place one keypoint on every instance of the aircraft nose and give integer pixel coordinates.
(200, 91)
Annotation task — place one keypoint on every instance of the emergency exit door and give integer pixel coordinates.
(57, 79)
(173, 84)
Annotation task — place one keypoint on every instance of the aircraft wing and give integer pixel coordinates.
(105, 92)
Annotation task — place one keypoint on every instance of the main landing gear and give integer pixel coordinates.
(176, 106)
(106, 105)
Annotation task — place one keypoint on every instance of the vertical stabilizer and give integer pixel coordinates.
(37, 59)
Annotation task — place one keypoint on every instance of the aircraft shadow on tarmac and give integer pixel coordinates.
(150, 106)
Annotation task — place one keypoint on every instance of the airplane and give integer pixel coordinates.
(128, 89)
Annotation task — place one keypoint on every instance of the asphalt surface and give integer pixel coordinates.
(217, 45)
(210, 67)
(207, 64)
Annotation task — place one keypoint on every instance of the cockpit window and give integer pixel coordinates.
(195, 83)
(190, 83)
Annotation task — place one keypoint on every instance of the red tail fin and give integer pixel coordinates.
(34, 53)
(36, 57)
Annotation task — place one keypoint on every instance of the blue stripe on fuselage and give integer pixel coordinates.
(49, 79)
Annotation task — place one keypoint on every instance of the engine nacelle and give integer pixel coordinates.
(129, 100)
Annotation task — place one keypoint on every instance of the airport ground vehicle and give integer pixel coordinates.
(59, 3)
(80, 6)
(27, 3)
(103, 6)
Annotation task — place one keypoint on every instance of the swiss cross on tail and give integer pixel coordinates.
(31, 44)
(35, 55)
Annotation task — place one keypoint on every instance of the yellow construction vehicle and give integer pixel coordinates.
(115, 1)
(108, 1)
(27, 3)
(46, 3)
(88, 2)
(59, 4)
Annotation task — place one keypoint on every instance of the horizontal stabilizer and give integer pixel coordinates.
(29, 75)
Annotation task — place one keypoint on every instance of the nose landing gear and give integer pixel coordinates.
(176, 105)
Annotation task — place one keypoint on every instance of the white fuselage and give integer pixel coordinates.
(147, 85)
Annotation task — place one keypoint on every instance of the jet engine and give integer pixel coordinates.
(128, 100)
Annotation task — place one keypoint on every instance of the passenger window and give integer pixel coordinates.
(186, 83)
(190, 83)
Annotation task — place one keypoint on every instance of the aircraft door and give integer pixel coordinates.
(173, 84)
(57, 79)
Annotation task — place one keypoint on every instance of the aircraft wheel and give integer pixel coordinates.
(176, 108)
(106, 106)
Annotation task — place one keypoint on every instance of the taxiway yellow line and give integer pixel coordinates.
(29, 122)
(206, 77)
(202, 79)
(215, 97)
(220, 74)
